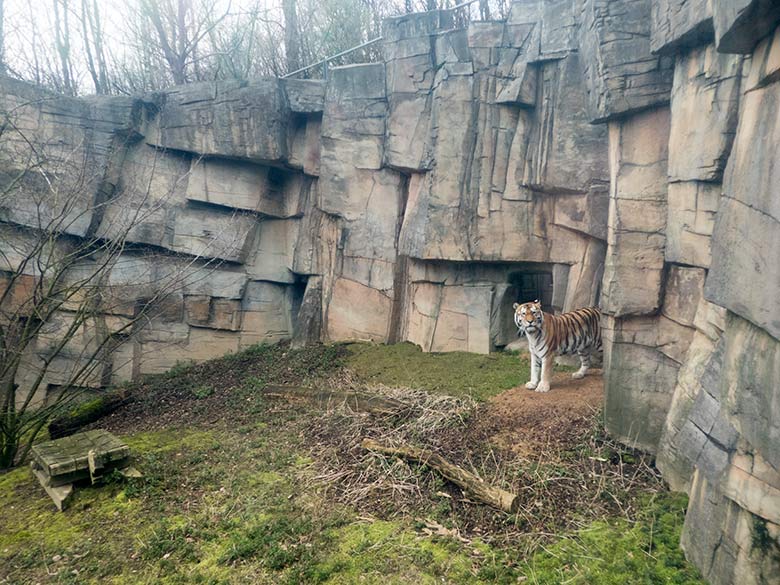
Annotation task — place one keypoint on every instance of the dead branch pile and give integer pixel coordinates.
(559, 484)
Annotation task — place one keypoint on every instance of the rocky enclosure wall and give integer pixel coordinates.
(620, 152)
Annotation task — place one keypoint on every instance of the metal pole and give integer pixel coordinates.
(348, 51)
(336, 56)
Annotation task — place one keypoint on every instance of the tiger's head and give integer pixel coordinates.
(528, 316)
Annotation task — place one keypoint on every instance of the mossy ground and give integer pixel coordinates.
(456, 374)
(230, 500)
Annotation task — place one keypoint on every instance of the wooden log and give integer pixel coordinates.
(84, 414)
(471, 484)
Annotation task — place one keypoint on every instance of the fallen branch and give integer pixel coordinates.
(471, 484)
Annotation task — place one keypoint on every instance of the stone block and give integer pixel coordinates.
(353, 128)
(622, 74)
(682, 294)
(633, 267)
(304, 147)
(245, 186)
(231, 119)
(692, 206)
(357, 312)
(463, 323)
(68, 148)
(587, 213)
(565, 152)
(211, 279)
(638, 381)
(274, 251)
(746, 236)
(208, 233)
(319, 235)
(212, 312)
(425, 301)
(152, 182)
(740, 24)
(751, 368)
(764, 67)
(755, 485)
(560, 28)
(517, 79)
(416, 24)
(305, 96)
(678, 24)
(308, 321)
(699, 145)
(267, 313)
(200, 345)
(719, 536)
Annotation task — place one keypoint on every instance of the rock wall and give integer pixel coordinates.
(620, 152)
(692, 357)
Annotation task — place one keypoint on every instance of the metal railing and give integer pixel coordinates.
(327, 60)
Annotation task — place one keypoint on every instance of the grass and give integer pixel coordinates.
(238, 499)
(456, 374)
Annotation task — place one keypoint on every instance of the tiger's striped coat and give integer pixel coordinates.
(569, 333)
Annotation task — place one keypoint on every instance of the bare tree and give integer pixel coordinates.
(74, 287)
(180, 26)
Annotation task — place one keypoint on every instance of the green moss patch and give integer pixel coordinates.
(455, 374)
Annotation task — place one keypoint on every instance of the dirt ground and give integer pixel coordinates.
(523, 421)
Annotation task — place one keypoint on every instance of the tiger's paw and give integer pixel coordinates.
(543, 387)
(578, 375)
(531, 385)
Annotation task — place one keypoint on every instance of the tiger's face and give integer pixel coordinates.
(529, 316)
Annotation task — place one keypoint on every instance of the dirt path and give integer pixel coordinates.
(525, 421)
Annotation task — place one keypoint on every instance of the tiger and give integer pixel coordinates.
(573, 332)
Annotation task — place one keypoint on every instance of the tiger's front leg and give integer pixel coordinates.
(536, 365)
(547, 367)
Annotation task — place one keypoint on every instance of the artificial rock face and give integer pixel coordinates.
(612, 152)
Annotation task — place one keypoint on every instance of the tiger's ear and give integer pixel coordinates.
(536, 302)
(515, 306)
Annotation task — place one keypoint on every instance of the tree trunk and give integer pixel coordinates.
(471, 484)
(2, 36)
(292, 42)
(62, 39)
